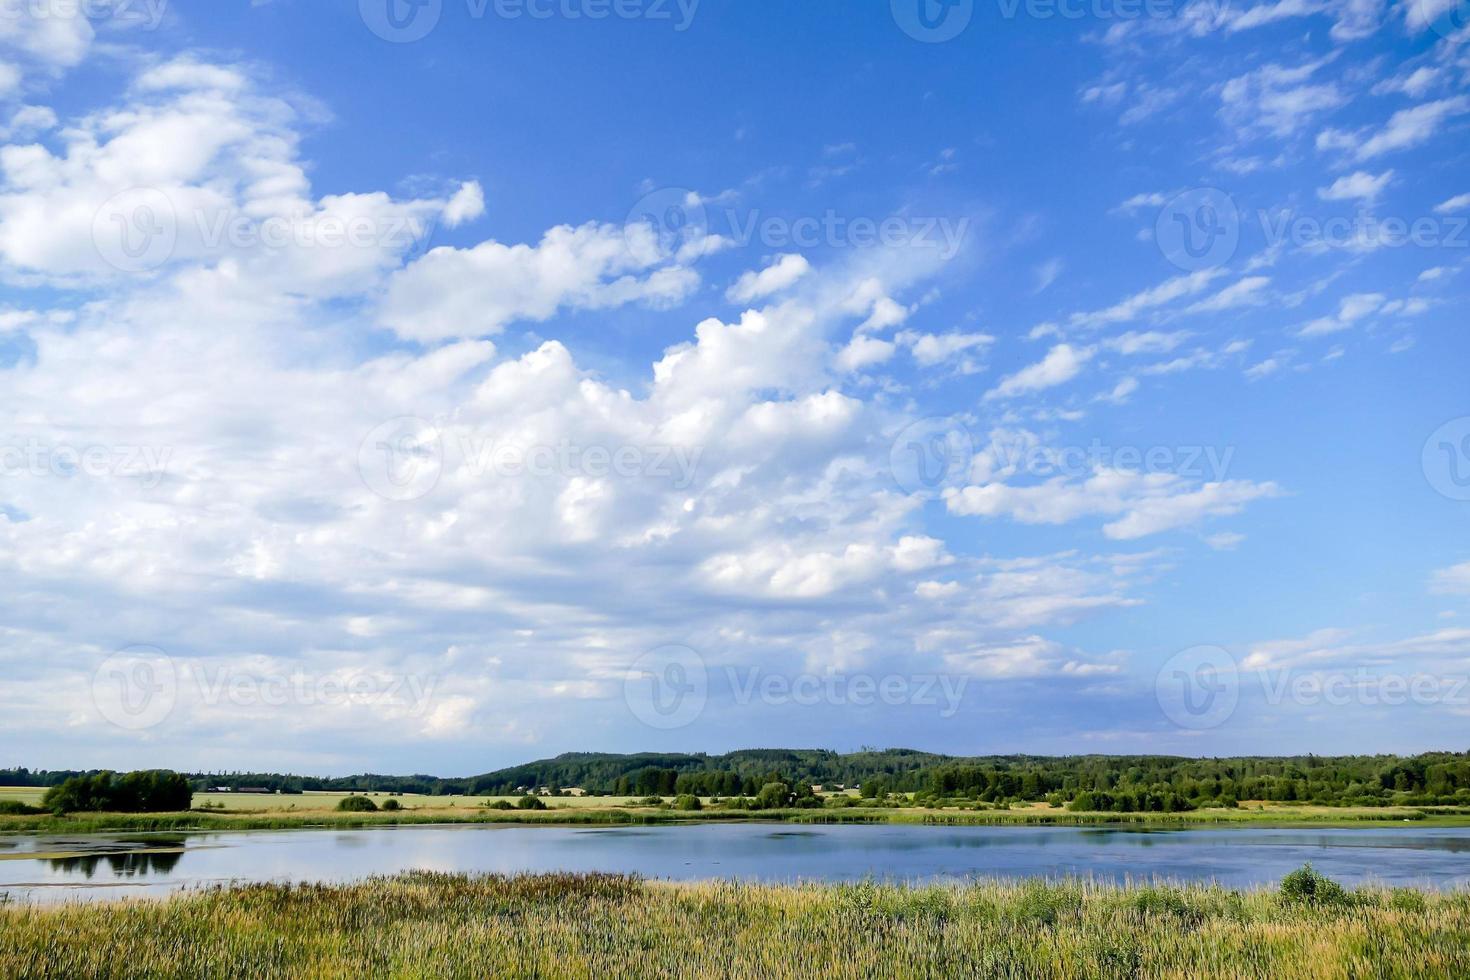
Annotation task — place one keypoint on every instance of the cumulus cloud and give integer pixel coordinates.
(1061, 364)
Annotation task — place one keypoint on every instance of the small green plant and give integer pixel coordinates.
(356, 804)
(392, 805)
(1306, 886)
(687, 801)
(529, 802)
(497, 805)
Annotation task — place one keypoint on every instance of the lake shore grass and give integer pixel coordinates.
(319, 811)
(559, 925)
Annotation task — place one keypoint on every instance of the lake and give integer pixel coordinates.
(59, 868)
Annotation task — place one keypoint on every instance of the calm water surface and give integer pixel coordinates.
(52, 868)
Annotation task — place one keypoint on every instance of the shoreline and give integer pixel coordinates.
(199, 821)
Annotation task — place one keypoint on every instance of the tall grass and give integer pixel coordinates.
(433, 925)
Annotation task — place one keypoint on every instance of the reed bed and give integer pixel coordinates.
(561, 925)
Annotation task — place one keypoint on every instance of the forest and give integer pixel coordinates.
(1109, 782)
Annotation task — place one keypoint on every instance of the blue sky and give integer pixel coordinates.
(1072, 383)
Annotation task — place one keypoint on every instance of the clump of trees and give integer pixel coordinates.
(146, 791)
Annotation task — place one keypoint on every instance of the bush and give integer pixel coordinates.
(651, 801)
(357, 804)
(147, 791)
(1305, 886)
(497, 805)
(687, 801)
(15, 808)
(392, 805)
(529, 802)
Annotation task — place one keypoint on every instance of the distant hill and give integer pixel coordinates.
(1433, 777)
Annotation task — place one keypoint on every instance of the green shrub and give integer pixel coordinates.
(15, 808)
(529, 802)
(1305, 886)
(687, 801)
(392, 805)
(356, 804)
(497, 805)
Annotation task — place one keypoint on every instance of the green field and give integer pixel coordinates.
(433, 925)
(244, 811)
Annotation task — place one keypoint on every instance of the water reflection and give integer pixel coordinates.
(124, 857)
(131, 864)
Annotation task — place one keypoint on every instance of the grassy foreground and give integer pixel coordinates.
(432, 925)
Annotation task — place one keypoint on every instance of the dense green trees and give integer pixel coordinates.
(149, 791)
(1143, 782)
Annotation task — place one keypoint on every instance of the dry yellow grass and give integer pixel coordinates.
(432, 925)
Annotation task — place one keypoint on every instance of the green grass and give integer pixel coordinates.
(243, 811)
(432, 925)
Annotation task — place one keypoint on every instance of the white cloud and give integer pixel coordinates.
(1404, 129)
(1454, 580)
(1141, 503)
(1459, 202)
(1357, 186)
(781, 274)
(1061, 364)
(1245, 292)
(474, 292)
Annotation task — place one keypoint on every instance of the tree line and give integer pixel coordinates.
(1135, 782)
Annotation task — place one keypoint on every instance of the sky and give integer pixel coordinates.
(436, 385)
